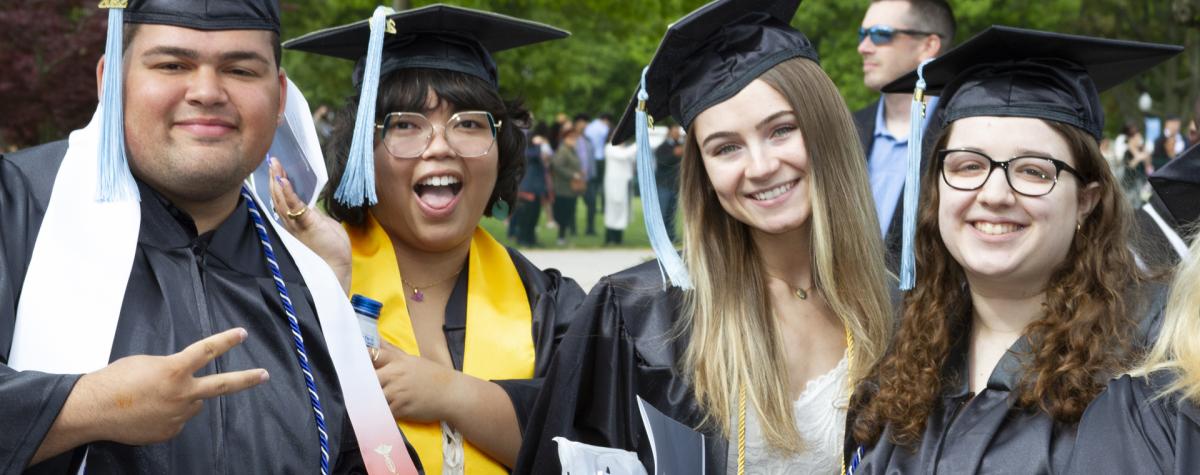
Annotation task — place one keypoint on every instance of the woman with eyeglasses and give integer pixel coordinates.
(427, 150)
(1027, 298)
(752, 339)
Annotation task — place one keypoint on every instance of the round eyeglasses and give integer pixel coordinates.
(468, 133)
(968, 170)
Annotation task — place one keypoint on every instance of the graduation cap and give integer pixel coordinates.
(712, 53)
(705, 58)
(115, 179)
(1015, 72)
(1177, 184)
(433, 37)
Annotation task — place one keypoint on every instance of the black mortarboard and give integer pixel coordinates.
(712, 53)
(206, 14)
(705, 58)
(114, 179)
(433, 37)
(1014, 72)
(436, 37)
(1007, 71)
(1177, 184)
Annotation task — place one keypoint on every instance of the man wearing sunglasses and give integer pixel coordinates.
(896, 35)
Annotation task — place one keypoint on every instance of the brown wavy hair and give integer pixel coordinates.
(1083, 337)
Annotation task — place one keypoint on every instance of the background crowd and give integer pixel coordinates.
(47, 42)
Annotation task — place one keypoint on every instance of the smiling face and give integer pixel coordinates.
(433, 203)
(997, 234)
(201, 108)
(755, 157)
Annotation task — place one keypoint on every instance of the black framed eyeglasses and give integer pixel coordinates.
(468, 133)
(884, 34)
(968, 170)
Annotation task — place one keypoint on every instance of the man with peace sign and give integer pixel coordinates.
(152, 320)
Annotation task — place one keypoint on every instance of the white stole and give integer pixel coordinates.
(1177, 243)
(73, 289)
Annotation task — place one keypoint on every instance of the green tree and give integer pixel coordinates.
(1172, 85)
(596, 69)
(324, 80)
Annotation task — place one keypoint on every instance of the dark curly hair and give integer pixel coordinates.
(408, 90)
(1084, 336)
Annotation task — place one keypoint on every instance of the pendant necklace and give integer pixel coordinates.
(800, 292)
(418, 295)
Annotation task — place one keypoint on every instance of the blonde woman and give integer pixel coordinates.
(756, 339)
(1149, 421)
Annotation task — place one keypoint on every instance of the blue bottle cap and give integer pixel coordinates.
(366, 305)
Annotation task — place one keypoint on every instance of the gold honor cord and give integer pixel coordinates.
(741, 438)
(741, 457)
(849, 390)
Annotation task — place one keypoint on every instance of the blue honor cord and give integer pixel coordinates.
(301, 353)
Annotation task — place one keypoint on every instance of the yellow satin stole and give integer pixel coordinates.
(499, 338)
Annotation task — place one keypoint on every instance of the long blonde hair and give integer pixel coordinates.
(734, 339)
(1178, 346)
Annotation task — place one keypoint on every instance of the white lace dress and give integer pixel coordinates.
(821, 419)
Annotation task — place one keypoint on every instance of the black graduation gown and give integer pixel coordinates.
(980, 434)
(619, 347)
(1128, 429)
(182, 288)
(985, 433)
(553, 300)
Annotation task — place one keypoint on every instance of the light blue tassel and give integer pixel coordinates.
(114, 181)
(670, 263)
(358, 180)
(912, 182)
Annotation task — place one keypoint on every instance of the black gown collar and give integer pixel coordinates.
(1005, 376)
(164, 226)
(454, 325)
(232, 244)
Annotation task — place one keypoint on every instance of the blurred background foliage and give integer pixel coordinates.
(49, 50)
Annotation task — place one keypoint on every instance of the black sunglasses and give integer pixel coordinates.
(884, 34)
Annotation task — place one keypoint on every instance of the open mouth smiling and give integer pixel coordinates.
(438, 191)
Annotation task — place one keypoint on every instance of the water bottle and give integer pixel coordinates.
(368, 318)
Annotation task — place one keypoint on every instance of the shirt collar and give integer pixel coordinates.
(881, 129)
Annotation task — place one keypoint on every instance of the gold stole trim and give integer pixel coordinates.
(499, 337)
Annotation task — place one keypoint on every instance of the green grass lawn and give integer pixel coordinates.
(635, 234)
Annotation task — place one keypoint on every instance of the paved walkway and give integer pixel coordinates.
(588, 266)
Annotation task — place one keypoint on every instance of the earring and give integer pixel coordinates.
(500, 209)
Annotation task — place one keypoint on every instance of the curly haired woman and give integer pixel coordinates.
(1028, 298)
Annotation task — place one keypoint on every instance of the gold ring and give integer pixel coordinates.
(296, 214)
(374, 354)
